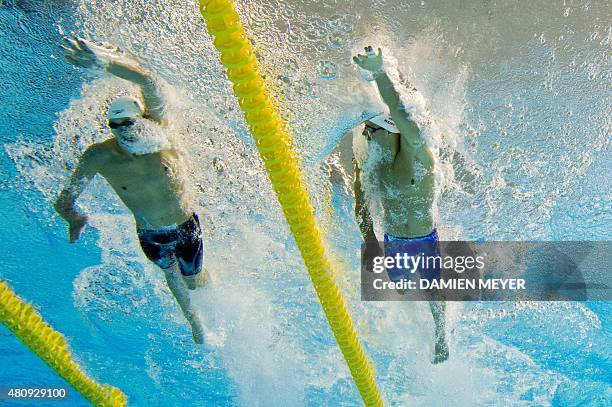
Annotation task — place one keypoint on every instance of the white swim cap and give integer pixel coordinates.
(124, 107)
(385, 121)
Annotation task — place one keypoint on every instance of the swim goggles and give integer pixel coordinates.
(125, 123)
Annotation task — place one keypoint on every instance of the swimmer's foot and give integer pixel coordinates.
(441, 352)
(197, 332)
(196, 281)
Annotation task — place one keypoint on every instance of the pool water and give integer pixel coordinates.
(520, 98)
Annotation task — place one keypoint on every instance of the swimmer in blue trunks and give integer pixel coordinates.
(144, 170)
(425, 246)
(400, 168)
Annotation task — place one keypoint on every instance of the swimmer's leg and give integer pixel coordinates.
(196, 281)
(189, 252)
(438, 311)
(182, 297)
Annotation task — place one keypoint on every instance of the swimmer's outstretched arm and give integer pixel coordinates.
(152, 94)
(411, 141)
(84, 53)
(80, 178)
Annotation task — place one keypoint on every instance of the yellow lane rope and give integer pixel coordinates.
(274, 144)
(49, 345)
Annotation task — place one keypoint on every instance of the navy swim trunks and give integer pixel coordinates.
(424, 246)
(182, 243)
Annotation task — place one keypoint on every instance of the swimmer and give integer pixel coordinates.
(402, 171)
(145, 171)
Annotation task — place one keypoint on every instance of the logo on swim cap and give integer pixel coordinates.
(385, 121)
(124, 107)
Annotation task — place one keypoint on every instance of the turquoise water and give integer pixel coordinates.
(521, 99)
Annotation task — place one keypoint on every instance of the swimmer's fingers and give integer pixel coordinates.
(75, 48)
(77, 51)
(69, 53)
(66, 50)
(85, 46)
(79, 45)
(67, 40)
(69, 44)
(359, 59)
(98, 53)
(380, 54)
(72, 42)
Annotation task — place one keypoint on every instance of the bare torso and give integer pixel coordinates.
(150, 185)
(405, 188)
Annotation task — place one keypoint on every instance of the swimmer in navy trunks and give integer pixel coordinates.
(144, 170)
(399, 167)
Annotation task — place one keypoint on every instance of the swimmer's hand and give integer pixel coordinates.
(372, 249)
(372, 62)
(85, 54)
(75, 227)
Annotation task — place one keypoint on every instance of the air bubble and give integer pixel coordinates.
(337, 39)
(342, 23)
(218, 165)
(327, 69)
(315, 30)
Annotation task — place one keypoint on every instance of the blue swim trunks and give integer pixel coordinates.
(182, 244)
(423, 246)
